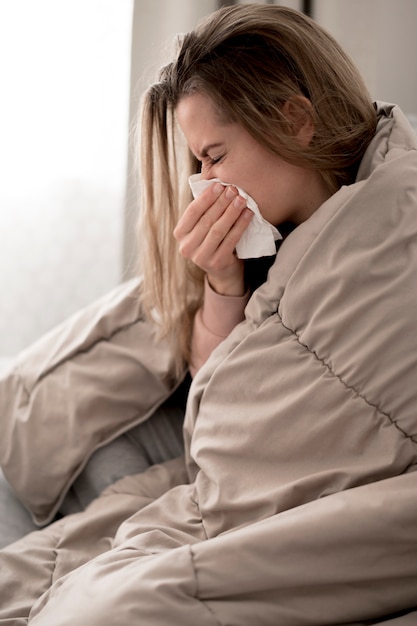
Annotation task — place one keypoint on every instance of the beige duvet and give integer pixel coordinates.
(296, 503)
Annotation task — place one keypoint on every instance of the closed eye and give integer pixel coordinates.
(208, 162)
(214, 160)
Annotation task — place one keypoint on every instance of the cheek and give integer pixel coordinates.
(272, 192)
(259, 175)
(254, 182)
(264, 188)
(263, 176)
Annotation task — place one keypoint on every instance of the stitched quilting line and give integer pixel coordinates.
(87, 349)
(194, 500)
(197, 589)
(51, 369)
(343, 382)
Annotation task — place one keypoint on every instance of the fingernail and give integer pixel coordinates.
(239, 202)
(230, 192)
(217, 189)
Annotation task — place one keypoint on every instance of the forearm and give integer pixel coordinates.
(213, 322)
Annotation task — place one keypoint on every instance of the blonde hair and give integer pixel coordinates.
(250, 60)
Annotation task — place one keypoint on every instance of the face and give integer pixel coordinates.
(283, 192)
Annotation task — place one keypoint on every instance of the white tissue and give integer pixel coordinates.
(259, 237)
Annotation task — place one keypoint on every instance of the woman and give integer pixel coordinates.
(296, 501)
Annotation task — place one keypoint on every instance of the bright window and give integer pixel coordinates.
(63, 156)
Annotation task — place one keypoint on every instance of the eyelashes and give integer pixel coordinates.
(215, 160)
(208, 162)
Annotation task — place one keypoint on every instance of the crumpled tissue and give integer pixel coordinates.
(259, 238)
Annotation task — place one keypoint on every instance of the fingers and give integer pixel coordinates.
(208, 233)
(212, 226)
(197, 209)
(222, 237)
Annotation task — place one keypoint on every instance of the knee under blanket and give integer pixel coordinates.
(296, 504)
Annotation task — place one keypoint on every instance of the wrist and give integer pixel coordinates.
(235, 287)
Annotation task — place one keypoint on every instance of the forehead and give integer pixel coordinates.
(198, 106)
(200, 121)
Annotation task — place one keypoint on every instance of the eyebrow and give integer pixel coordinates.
(205, 151)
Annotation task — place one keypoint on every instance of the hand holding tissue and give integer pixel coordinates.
(259, 238)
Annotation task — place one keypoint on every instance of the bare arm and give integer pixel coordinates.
(214, 322)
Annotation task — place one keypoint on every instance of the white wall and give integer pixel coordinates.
(381, 36)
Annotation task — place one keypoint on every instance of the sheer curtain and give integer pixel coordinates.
(63, 155)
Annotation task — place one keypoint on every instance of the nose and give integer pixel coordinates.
(203, 173)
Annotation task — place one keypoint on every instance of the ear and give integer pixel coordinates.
(299, 113)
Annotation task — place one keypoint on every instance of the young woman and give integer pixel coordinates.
(295, 501)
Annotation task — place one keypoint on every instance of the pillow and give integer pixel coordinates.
(99, 373)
